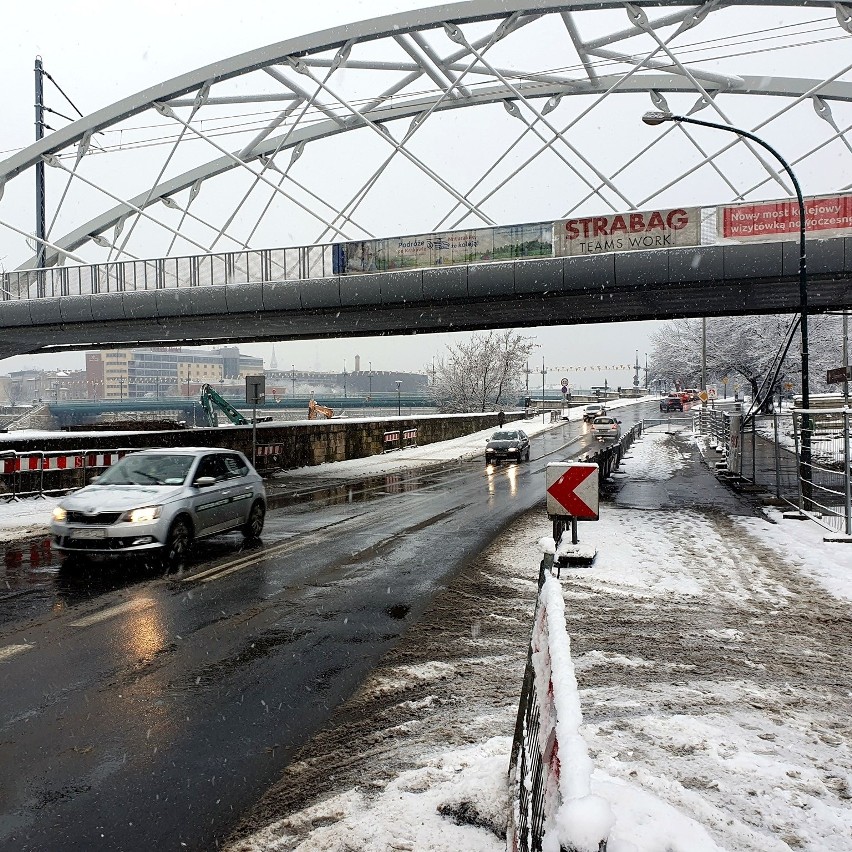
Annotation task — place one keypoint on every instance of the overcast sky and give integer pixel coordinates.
(100, 52)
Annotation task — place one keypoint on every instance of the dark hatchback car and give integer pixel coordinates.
(672, 403)
(511, 444)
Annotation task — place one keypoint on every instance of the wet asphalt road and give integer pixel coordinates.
(139, 711)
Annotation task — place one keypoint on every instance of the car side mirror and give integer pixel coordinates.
(204, 481)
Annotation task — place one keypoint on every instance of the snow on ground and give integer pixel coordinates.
(713, 683)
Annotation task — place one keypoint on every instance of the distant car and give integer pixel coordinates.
(160, 501)
(606, 428)
(673, 402)
(511, 444)
(590, 412)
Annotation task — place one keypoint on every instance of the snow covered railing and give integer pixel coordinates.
(551, 806)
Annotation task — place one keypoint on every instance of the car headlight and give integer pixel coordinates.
(59, 514)
(143, 515)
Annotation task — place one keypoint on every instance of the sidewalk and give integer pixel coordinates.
(712, 648)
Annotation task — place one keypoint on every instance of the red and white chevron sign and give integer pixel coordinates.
(572, 490)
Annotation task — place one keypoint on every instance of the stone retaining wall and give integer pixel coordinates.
(280, 445)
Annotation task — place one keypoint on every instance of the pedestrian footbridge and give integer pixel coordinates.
(657, 284)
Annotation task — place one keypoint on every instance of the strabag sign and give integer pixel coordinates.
(634, 231)
(826, 216)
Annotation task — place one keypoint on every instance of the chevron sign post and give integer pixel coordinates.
(572, 495)
(572, 490)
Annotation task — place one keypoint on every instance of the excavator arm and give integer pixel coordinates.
(210, 401)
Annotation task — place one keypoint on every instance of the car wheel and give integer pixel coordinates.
(527, 456)
(178, 545)
(253, 527)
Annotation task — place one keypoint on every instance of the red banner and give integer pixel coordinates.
(774, 220)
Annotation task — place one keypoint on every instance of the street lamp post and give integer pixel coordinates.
(370, 394)
(293, 376)
(543, 374)
(398, 398)
(655, 118)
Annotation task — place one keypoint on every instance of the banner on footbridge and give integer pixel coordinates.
(825, 216)
(633, 231)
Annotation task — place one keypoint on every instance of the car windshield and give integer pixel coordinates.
(139, 469)
(504, 436)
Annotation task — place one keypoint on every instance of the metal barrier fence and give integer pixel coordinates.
(828, 497)
(766, 453)
(609, 458)
(40, 473)
(536, 759)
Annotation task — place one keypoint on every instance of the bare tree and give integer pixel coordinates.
(481, 373)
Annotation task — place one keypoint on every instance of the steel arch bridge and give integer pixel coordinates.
(463, 115)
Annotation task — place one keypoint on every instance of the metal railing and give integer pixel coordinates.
(609, 458)
(829, 473)
(767, 454)
(242, 267)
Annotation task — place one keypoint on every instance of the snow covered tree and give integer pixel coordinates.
(481, 373)
(743, 347)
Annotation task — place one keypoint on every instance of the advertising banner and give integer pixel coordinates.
(825, 216)
(634, 231)
(448, 248)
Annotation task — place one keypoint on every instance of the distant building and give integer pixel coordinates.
(23, 387)
(139, 373)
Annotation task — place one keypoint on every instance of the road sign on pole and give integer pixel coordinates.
(572, 490)
(838, 374)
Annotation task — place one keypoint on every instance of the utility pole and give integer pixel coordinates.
(370, 394)
(636, 373)
(293, 374)
(39, 169)
(543, 374)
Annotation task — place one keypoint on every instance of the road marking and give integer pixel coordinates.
(294, 543)
(11, 650)
(111, 612)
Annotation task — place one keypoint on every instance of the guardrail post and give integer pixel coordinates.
(777, 458)
(847, 464)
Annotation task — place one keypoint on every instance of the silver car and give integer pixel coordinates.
(162, 500)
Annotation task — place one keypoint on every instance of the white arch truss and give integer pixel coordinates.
(472, 113)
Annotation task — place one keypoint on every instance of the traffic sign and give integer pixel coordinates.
(565, 383)
(572, 490)
(255, 389)
(564, 388)
(703, 395)
(711, 392)
(838, 374)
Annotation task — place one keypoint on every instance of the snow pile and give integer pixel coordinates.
(656, 462)
(574, 817)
